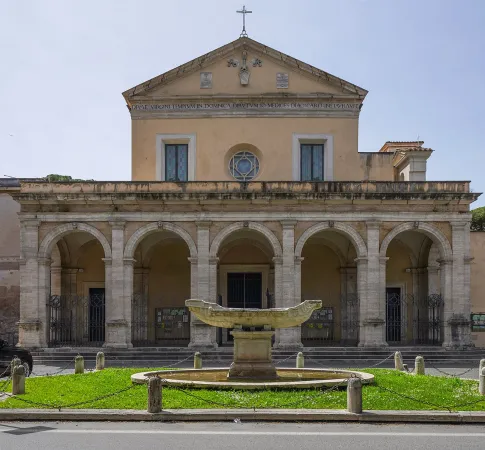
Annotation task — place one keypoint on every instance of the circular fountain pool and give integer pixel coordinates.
(287, 378)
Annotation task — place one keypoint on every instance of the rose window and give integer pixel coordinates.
(244, 166)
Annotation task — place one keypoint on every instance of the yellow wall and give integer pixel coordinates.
(320, 279)
(477, 293)
(90, 260)
(272, 136)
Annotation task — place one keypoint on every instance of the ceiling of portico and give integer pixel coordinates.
(336, 242)
(416, 244)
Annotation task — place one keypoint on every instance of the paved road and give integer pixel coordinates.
(237, 436)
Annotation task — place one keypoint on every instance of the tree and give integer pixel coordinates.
(478, 219)
(55, 177)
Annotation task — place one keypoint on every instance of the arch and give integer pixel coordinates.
(150, 228)
(429, 230)
(225, 232)
(334, 247)
(339, 227)
(57, 233)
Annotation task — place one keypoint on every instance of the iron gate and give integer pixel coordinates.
(412, 319)
(76, 321)
(325, 327)
(164, 326)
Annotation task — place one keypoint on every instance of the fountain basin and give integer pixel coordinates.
(286, 379)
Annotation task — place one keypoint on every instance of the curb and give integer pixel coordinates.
(262, 415)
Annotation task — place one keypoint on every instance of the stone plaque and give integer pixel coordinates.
(205, 80)
(281, 80)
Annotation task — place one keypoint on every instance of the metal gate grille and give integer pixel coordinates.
(333, 326)
(166, 326)
(76, 321)
(413, 320)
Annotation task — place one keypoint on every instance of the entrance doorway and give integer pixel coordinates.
(96, 311)
(244, 290)
(394, 314)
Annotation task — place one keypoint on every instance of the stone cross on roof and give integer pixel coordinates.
(244, 11)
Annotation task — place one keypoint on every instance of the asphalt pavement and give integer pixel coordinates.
(237, 436)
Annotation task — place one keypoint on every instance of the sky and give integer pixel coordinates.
(65, 64)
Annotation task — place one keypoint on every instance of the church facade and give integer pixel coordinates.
(247, 190)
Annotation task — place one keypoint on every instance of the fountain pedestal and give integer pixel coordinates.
(252, 356)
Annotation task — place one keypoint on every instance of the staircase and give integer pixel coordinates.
(314, 357)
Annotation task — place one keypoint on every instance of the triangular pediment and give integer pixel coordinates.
(225, 72)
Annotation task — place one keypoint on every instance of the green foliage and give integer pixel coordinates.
(408, 392)
(478, 219)
(66, 178)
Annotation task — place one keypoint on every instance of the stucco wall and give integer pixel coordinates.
(272, 136)
(477, 287)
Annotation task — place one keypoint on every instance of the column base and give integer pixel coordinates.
(372, 333)
(31, 334)
(118, 334)
(288, 339)
(460, 336)
(252, 356)
(202, 336)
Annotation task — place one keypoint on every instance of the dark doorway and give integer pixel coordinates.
(97, 309)
(393, 314)
(244, 290)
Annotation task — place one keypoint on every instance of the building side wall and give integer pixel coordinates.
(477, 285)
(9, 267)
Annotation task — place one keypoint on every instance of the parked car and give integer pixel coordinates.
(9, 352)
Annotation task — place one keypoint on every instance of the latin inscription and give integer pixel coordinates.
(245, 106)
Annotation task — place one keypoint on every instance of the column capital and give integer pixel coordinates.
(457, 224)
(444, 262)
(71, 270)
(213, 261)
(30, 223)
(468, 259)
(193, 260)
(117, 224)
(361, 260)
(107, 261)
(203, 224)
(298, 259)
(129, 261)
(44, 261)
(288, 223)
(56, 269)
(278, 260)
(383, 259)
(373, 224)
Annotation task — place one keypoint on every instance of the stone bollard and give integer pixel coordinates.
(18, 380)
(100, 361)
(197, 360)
(154, 395)
(419, 366)
(300, 360)
(15, 363)
(481, 366)
(398, 362)
(79, 364)
(481, 382)
(354, 395)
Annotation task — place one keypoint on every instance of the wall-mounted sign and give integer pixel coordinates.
(478, 321)
(281, 80)
(205, 80)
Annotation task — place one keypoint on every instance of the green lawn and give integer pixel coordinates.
(65, 390)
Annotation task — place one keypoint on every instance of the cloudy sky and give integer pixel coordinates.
(65, 63)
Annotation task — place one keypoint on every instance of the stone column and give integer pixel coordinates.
(203, 335)
(118, 305)
(372, 306)
(33, 319)
(446, 270)
(460, 319)
(289, 338)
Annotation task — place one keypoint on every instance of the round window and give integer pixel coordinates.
(244, 166)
